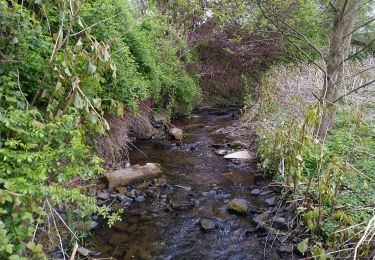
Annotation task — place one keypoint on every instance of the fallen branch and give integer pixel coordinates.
(73, 256)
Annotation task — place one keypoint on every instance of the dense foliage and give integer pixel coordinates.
(65, 67)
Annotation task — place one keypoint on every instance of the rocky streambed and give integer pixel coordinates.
(207, 202)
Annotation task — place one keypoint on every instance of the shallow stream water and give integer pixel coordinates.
(168, 227)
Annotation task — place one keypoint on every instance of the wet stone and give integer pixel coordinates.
(120, 226)
(261, 218)
(103, 195)
(236, 145)
(255, 192)
(239, 205)
(209, 193)
(220, 152)
(176, 133)
(162, 144)
(123, 191)
(280, 223)
(152, 194)
(182, 205)
(285, 249)
(270, 238)
(132, 228)
(124, 198)
(271, 201)
(117, 239)
(140, 199)
(207, 224)
(264, 193)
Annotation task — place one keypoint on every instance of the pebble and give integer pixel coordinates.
(255, 192)
(280, 223)
(103, 195)
(207, 224)
(132, 228)
(220, 152)
(261, 218)
(140, 199)
(208, 193)
(271, 201)
(285, 249)
(120, 226)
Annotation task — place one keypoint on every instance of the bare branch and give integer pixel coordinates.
(354, 90)
(343, 10)
(289, 40)
(362, 25)
(332, 5)
(300, 36)
(361, 50)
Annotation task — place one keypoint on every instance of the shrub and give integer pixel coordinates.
(332, 178)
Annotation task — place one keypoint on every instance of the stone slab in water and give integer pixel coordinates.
(176, 133)
(245, 155)
(133, 174)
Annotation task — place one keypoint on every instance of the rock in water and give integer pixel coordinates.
(176, 133)
(207, 224)
(133, 174)
(239, 205)
(261, 218)
(244, 155)
(285, 249)
(236, 145)
(103, 195)
(281, 223)
(220, 152)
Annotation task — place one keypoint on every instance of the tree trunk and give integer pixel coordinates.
(339, 48)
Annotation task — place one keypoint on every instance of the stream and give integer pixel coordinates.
(200, 185)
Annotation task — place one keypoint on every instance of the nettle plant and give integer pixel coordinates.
(43, 164)
(44, 158)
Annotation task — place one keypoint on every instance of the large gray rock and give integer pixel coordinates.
(244, 155)
(133, 174)
(176, 133)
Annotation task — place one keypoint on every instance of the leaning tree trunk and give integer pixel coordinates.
(343, 24)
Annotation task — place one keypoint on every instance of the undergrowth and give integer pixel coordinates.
(332, 180)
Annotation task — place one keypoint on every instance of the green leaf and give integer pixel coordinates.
(319, 253)
(303, 245)
(93, 117)
(91, 68)
(97, 103)
(78, 103)
(9, 248)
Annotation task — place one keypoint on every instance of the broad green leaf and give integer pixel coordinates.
(78, 103)
(303, 245)
(91, 68)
